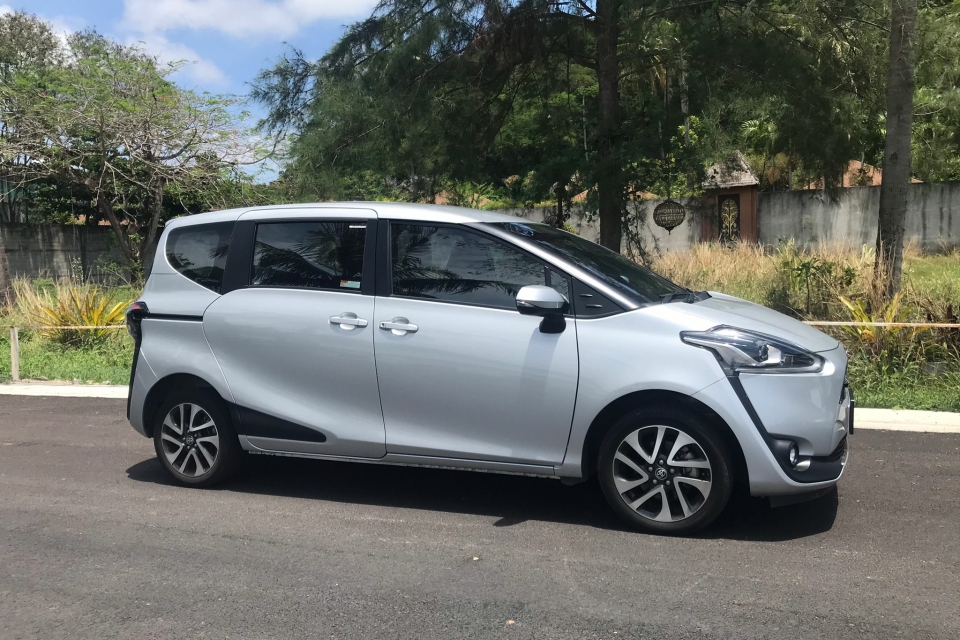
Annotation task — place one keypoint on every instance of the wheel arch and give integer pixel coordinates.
(161, 390)
(653, 397)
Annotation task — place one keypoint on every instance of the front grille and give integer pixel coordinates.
(839, 452)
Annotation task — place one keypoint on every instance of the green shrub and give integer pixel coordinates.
(68, 305)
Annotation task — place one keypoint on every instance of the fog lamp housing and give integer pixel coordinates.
(793, 455)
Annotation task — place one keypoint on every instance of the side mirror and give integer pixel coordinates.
(549, 304)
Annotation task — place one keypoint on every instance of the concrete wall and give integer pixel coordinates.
(808, 217)
(640, 226)
(54, 251)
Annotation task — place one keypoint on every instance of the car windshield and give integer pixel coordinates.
(621, 273)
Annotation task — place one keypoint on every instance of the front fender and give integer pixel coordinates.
(628, 353)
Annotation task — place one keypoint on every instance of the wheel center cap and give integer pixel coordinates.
(189, 442)
(660, 473)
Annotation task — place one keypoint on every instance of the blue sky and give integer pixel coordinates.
(226, 41)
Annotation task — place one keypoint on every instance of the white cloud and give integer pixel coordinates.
(197, 69)
(238, 18)
(63, 26)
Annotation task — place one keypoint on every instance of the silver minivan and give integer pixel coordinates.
(448, 337)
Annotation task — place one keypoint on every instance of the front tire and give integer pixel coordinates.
(195, 440)
(665, 471)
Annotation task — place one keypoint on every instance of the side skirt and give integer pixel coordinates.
(294, 449)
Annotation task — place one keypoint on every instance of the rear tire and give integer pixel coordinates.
(663, 470)
(194, 438)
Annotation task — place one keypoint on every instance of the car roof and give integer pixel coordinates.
(391, 210)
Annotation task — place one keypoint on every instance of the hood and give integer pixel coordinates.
(727, 310)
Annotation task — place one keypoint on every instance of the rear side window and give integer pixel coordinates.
(199, 252)
(309, 255)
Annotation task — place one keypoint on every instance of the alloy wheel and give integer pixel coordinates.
(191, 442)
(662, 473)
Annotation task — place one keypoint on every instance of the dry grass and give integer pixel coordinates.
(742, 270)
(809, 283)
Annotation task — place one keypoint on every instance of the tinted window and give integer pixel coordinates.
(457, 265)
(315, 255)
(200, 252)
(559, 282)
(617, 271)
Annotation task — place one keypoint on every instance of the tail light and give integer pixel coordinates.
(135, 313)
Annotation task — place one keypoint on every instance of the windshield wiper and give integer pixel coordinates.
(686, 295)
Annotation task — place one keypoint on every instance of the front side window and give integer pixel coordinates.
(310, 255)
(617, 271)
(199, 252)
(454, 264)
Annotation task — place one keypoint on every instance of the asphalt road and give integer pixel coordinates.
(95, 543)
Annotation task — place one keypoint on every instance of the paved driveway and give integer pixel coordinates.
(95, 543)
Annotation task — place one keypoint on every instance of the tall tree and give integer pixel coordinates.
(610, 182)
(897, 149)
(936, 123)
(106, 122)
(551, 93)
(438, 82)
(26, 45)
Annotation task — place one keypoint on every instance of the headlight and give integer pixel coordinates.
(739, 350)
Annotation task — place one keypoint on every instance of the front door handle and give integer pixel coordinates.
(399, 326)
(348, 321)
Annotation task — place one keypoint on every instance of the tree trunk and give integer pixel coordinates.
(609, 181)
(685, 112)
(790, 165)
(896, 150)
(149, 246)
(7, 297)
(559, 191)
(106, 210)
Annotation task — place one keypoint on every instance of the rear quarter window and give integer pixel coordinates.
(199, 252)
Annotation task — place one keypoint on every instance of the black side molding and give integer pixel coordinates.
(173, 316)
(262, 425)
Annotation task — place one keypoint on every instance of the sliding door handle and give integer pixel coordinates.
(348, 321)
(399, 326)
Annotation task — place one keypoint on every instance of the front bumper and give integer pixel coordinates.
(768, 413)
(805, 408)
(810, 467)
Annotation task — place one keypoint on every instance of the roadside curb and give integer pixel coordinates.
(905, 420)
(870, 419)
(64, 390)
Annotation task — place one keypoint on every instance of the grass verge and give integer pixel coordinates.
(43, 359)
(923, 393)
